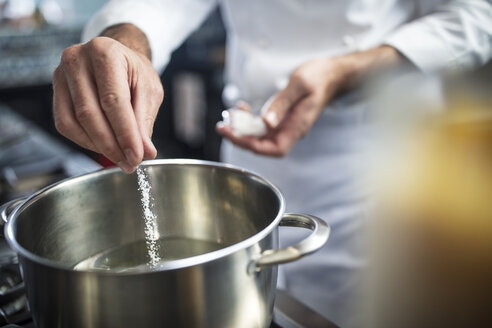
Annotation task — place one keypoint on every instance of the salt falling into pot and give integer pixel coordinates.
(151, 229)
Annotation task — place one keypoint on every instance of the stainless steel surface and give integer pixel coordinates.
(7, 208)
(315, 241)
(79, 217)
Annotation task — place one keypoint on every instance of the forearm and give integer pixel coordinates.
(131, 36)
(455, 35)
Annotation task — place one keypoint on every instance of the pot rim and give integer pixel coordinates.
(166, 265)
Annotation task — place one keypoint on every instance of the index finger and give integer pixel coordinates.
(282, 103)
(115, 99)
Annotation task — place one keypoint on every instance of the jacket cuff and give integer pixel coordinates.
(143, 16)
(423, 47)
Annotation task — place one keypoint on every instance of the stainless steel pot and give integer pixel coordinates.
(233, 286)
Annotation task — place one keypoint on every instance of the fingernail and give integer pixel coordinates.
(154, 150)
(220, 124)
(241, 104)
(153, 147)
(130, 156)
(151, 144)
(125, 167)
(271, 118)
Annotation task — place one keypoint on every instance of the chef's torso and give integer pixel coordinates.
(267, 40)
(320, 175)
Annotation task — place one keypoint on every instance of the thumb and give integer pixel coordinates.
(282, 103)
(146, 127)
(145, 121)
(150, 152)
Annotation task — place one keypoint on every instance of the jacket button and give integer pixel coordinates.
(263, 42)
(349, 41)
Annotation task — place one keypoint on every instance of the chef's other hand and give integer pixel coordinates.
(107, 94)
(312, 85)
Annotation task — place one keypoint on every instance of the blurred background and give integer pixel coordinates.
(33, 34)
(431, 235)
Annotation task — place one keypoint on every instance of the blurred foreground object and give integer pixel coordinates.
(431, 236)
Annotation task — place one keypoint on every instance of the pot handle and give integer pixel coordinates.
(311, 244)
(7, 208)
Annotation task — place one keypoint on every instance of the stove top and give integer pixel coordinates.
(30, 160)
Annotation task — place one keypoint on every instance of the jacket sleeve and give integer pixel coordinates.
(456, 35)
(166, 23)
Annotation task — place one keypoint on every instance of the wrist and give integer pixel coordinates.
(356, 66)
(130, 36)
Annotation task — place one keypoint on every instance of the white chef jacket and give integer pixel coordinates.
(266, 41)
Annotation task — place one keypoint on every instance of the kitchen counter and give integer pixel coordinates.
(29, 56)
